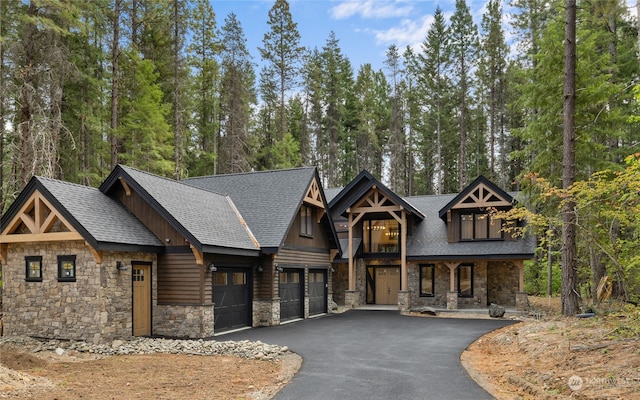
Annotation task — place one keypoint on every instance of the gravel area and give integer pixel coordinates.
(245, 349)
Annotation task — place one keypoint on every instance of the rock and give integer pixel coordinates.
(59, 351)
(496, 311)
(116, 343)
(334, 305)
(427, 310)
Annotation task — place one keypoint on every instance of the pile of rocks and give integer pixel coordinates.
(245, 349)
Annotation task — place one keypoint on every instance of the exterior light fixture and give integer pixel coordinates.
(259, 268)
(212, 268)
(120, 266)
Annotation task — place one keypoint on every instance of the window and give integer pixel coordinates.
(306, 221)
(427, 281)
(480, 226)
(381, 236)
(33, 268)
(465, 280)
(66, 268)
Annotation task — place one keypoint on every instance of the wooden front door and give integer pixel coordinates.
(387, 285)
(141, 276)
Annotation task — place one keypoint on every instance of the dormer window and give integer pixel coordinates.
(480, 226)
(306, 221)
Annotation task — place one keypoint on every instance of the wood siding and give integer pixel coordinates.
(288, 257)
(149, 217)
(318, 239)
(181, 281)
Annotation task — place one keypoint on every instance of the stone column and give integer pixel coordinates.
(452, 300)
(522, 301)
(351, 298)
(404, 301)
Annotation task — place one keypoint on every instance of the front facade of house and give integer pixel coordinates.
(441, 251)
(144, 255)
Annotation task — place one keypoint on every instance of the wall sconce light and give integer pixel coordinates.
(212, 268)
(279, 268)
(120, 266)
(259, 268)
(332, 270)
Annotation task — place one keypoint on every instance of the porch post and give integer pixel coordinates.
(352, 281)
(403, 253)
(520, 265)
(452, 294)
(522, 301)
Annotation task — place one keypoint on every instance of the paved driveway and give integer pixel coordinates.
(377, 355)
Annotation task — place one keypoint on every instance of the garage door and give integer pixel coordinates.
(291, 294)
(232, 299)
(317, 291)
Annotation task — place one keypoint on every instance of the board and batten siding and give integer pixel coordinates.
(182, 281)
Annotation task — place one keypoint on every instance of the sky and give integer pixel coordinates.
(364, 28)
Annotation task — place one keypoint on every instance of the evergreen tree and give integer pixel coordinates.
(398, 150)
(283, 53)
(464, 46)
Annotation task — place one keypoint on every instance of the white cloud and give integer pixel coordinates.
(371, 9)
(408, 32)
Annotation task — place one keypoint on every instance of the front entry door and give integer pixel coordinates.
(387, 285)
(141, 276)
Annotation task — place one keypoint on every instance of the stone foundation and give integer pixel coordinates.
(522, 301)
(404, 301)
(452, 300)
(266, 312)
(194, 321)
(352, 298)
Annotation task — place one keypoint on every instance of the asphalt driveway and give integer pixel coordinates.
(371, 355)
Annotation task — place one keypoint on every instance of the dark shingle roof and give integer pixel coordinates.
(267, 200)
(429, 238)
(90, 212)
(204, 217)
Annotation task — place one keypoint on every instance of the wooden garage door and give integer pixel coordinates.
(317, 291)
(291, 294)
(232, 299)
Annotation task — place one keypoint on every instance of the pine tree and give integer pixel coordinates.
(283, 53)
(398, 151)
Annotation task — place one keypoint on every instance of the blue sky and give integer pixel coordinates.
(364, 28)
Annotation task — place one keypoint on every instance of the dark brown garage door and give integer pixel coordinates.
(317, 291)
(291, 294)
(232, 299)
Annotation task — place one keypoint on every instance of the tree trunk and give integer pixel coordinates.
(570, 297)
(176, 91)
(115, 70)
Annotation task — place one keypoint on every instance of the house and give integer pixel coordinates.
(439, 251)
(144, 255)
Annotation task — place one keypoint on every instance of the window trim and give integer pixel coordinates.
(474, 215)
(470, 266)
(27, 262)
(61, 260)
(306, 221)
(433, 281)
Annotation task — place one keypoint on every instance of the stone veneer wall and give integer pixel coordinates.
(184, 321)
(502, 283)
(479, 298)
(340, 282)
(266, 312)
(441, 276)
(97, 307)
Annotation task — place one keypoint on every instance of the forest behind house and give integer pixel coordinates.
(169, 87)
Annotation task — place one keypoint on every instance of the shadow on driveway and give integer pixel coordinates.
(377, 355)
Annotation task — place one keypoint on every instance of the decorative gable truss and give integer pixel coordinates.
(481, 197)
(38, 221)
(314, 198)
(376, 202)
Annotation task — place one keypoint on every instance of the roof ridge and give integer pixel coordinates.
(250, 173)
(171, 180)
(44, 178)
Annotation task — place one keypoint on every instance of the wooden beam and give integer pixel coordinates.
(125, 186)
(403, 252)
(197, 254)
(452, 274)
(3, 253)
(352, 281)
(97, 255)
(40, 237)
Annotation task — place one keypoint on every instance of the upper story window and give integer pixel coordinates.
(480, 226)
(306, 221)
(33, 268)
(381, 236)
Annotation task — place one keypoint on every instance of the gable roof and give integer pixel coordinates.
(208, 220)
(496, 195)
(268, 200)
(360, 186)
(430, 240)
(103, 222)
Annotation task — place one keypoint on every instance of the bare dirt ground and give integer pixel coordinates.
(49, 376)
(545, 356)
(553, 357)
